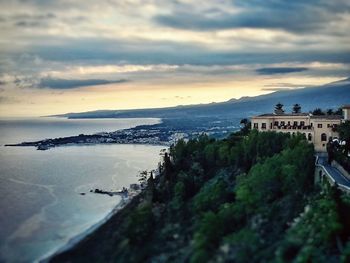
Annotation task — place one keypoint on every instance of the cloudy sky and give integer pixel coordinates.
(70, 56)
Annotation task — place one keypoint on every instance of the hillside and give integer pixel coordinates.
(332, 95)
(232, 200)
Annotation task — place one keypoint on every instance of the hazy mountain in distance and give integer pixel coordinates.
(331, 95)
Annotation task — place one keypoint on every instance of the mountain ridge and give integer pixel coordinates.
(331, 95)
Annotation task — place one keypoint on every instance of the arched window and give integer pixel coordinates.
(323, 137)
(309, 137)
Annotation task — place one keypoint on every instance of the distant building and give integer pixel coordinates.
(318, 129)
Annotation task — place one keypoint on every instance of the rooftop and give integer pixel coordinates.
(327, 117)
(284, 115)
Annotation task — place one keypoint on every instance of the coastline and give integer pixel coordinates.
(75, 235)
(164, 132)
(54, 128)
(75, 240)
(82, 242)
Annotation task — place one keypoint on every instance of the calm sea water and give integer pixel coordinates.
(40, 202)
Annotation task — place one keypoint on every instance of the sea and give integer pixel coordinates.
(45, 198)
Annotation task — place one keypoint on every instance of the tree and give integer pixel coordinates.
(344, 134)
(339, 111)
(330, 112)
(244, 121)
(168, 168)
(151, 187)
(318, 112)
(296, 108)
(143, 177)
(279, 108)
(246, 126)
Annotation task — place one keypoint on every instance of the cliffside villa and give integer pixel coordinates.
(318, 129)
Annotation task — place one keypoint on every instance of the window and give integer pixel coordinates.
(282, 123)
(295, 123)
(309, 137)
(263, 126)
(323, 137)
(276, 123)
(319, 125)
(288, 123)
(255, 125)
(302, 123)
(329, 125)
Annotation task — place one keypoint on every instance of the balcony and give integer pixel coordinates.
(293, 127)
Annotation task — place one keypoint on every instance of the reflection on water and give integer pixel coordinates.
(40, 200)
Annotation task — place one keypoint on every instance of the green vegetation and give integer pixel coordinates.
(248, 198)
(296, 108)
(341, 151)
(344, 134)
(319, 112)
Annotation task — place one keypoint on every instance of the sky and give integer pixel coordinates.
(73, 56)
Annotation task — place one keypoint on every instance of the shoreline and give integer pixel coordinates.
(165, 132)
(75, 240)
(74, 237)
(110, 222)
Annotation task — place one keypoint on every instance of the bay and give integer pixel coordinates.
(40, 191)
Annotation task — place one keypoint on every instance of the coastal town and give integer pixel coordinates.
(166, 133)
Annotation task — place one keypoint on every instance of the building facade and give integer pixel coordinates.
(317, 129)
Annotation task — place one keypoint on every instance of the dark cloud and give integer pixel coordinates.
(294, 16)
(54, 50)
(102, 50)
(46, 16)
(29, 24)
(52, 83)
(280, 70)
(25, 20)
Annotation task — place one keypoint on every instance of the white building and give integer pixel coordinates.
(317, 129)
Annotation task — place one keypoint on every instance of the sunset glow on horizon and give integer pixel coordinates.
(73, 56)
